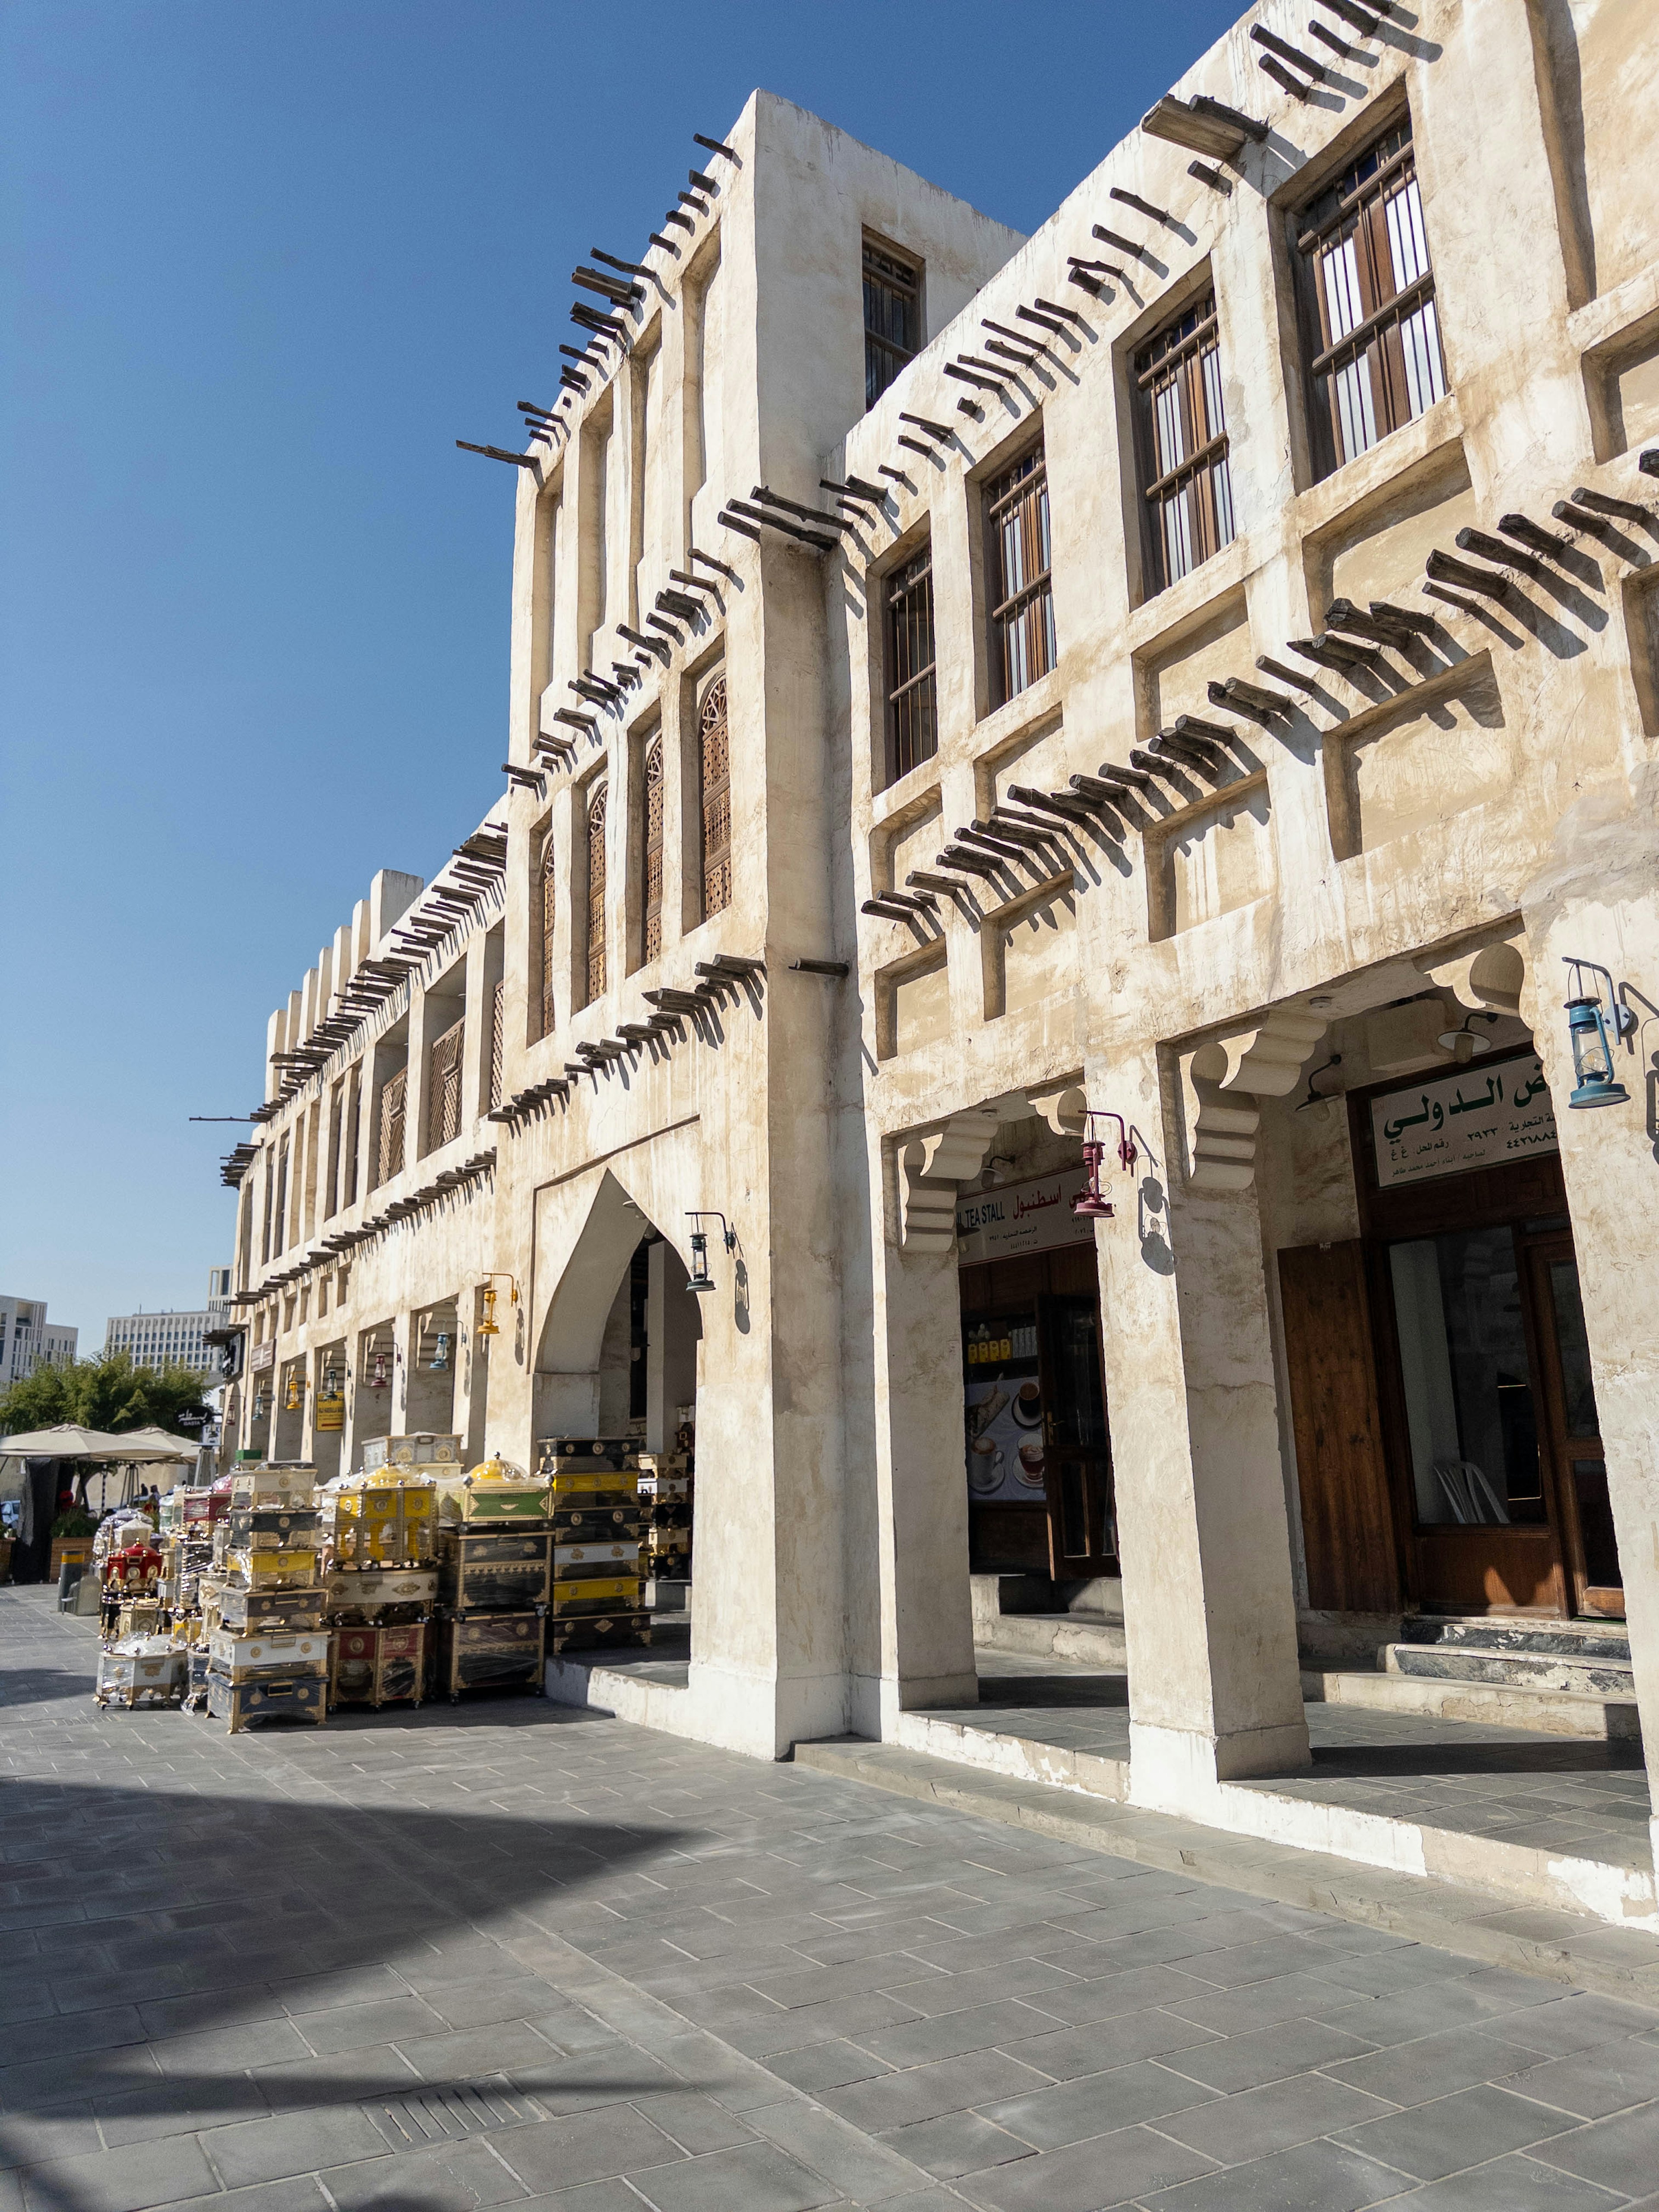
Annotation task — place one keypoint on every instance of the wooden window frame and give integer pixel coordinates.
(1187, 504)
(394, 1096)
(595, 815)
(1385, 365)
(911, 642)
(714, 795)
(653, 788)
(444, 1103)
(1020, 618)
(892, 281)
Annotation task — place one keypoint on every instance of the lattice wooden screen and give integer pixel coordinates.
(716, 765)
(391, 1158)
(651, 944)
(497, 1040)
(444, 1114)
(596, 810)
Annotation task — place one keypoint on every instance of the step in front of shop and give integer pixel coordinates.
(1593, 1716)
(1095, 1639)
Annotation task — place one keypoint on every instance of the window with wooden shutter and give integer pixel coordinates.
(497, 1042)
(714, 762)
(1368, 302)
(444, 1110)
(544, 889)
(389, 1157)
(1021, 591)
(912, 705)
(596, 813)
(1183, 445)
(651, 872)
(892, 317)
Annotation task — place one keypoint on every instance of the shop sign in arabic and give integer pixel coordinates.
(1026, 1217)
(1469, 1120)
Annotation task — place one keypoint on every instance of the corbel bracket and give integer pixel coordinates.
(1223, 1082)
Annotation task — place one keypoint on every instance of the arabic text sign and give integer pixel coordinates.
(1026, 1217)
(1469, 1120)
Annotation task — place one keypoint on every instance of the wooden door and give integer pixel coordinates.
(1077, 1446)
(1571, 1430)
(1347, 1515)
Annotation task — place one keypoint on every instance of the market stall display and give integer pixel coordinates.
(596, 1586)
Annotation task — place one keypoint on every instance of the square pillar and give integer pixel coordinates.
(1215, 1690)
(1610, 1162)
(914, 1645)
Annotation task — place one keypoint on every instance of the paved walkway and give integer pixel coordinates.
(508, 1954)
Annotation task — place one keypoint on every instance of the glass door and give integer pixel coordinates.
(1486, 1534)
(1076, 1448)
(1572, 1431)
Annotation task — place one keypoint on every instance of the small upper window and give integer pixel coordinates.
(1183, 442)
(912, 703)
(892, 317)
(1368, 292)
(1021, 589)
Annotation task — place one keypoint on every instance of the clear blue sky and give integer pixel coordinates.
(262, 264)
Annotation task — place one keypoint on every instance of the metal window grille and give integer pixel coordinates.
(651, 936)
(546, 885)
(389, 1154)
(596, 811)
(1183, 441)
(715, 765)
(354, 1108)
(1368, 302)
(892, 318)
(912, 699)
(497, 1042)
(444, 1114)
(1022, 597)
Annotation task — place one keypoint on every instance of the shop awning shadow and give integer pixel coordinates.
(272, 1894)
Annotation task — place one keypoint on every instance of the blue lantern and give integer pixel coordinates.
(1592, 1046)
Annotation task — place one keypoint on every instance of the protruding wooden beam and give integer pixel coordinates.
(495, 453)
(1206, 125)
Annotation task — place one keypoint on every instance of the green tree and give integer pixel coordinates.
(106, 1393)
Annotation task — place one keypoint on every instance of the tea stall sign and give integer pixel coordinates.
(1024, 1217)
(1468, 1120)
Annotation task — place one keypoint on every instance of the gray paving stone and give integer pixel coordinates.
(127, 2180)
(1256, 2122)
(951, 2035)
(1617, 2153)
(1315, 2177)
(1096, 2104)
(1228, 2064)
(589, 2146)
(921, 2092)
(1119, 2168)
(299, 2196)
(450, 2178)
(756, 2178)
(957, 2143)
(1432, 2066)
(1431, 2141)
(170, 2108)
(819, 2066)
(301, 2142)
(1595, 2082)
(1510, 2184)
(68, 2131)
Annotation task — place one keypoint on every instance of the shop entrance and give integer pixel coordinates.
(1442, 1387)
(1039, 1455)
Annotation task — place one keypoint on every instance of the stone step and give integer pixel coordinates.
(1587, 1674)
(1094, 1638)
(1556, 1944)
(1489, 1633)
(1498, 1704)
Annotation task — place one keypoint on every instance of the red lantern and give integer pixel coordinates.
(1091, 1203)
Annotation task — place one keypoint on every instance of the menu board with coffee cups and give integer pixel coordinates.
(1003, 1410)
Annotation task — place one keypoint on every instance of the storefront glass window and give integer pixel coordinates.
(1469, 1407)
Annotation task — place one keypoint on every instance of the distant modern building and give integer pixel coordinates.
(29, 1341)
(154, 1340)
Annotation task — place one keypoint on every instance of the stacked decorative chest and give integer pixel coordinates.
(266, 1641)
(596, 1524)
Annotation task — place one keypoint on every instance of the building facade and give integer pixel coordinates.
(28, 1339)
(1160, 712)
(165, 1338)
